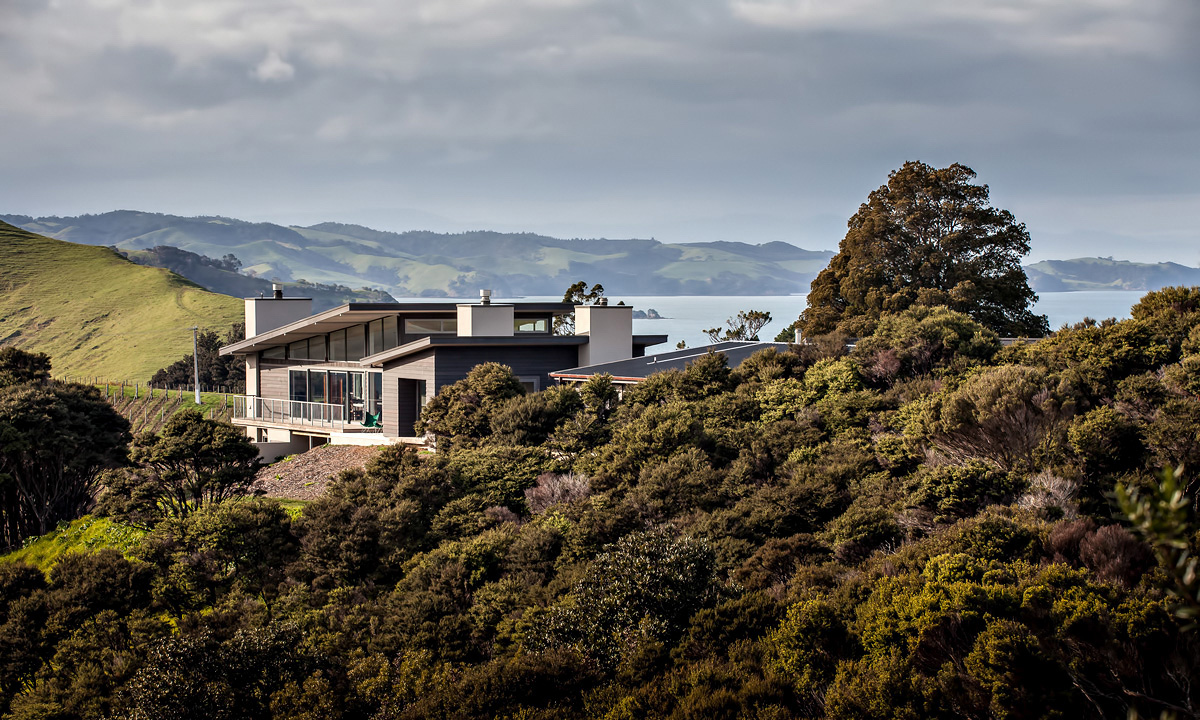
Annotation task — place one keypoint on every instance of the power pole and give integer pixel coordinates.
(196, 363)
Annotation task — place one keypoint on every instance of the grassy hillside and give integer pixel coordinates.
(421, 263)
(1095, 273)
(96, 313)
(87, 534)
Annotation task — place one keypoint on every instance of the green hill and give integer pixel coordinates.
(96, 313)
(429, 264)
(220, 276)
(1097, 273)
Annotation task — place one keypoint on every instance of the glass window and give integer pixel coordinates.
(390, 328)
(337, 388)
(375, 337)
(531, 325)
(278, 352)
(298, 350)
(298, 382)
(356, 342)
(430, 326)
(316, 348)
(337, 345)
(316, 386)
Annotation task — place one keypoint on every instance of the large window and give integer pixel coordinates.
(356, 342)
(531, 325)
(390, 332)
(337, 345)
(375, 337)
(278, 352)
(316, 386)
(430, 326)
(298, 382)
(298, 350)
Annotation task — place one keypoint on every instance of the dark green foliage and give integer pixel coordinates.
(216, 371)
(55, 439)
(18, 367)
(461, 412)
(641, 591)
(194, 462)
(917, 528)
(928, 237)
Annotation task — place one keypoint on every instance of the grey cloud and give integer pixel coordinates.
(683, 119)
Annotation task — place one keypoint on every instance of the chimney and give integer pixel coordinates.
(485, 319)
(263, 313)
(609, 329)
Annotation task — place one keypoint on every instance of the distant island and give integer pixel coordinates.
(647, 314)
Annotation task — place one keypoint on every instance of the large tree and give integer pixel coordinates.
(928, 237)
(55, 438)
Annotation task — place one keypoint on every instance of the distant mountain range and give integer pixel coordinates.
(1091, 273)
(223, 276)
(429, 264)
(327, 260)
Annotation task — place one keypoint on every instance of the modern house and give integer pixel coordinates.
(360, 373)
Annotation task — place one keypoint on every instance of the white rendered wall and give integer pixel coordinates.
(265, 314)
(485, 320)
(610, 333)
(252, 374)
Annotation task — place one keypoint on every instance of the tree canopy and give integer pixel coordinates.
(928, 237)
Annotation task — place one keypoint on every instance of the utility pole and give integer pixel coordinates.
(196, 363)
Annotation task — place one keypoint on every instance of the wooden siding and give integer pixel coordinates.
(273, 379)
(414, 367)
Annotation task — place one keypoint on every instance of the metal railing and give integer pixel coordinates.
(289, 412)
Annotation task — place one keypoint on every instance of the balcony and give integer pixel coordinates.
(296, 415)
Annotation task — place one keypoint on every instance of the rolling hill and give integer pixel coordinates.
(218, 277)
(96, 313)
(420, 263)
(1095, 273)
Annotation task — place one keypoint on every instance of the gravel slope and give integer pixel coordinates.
(304, 476)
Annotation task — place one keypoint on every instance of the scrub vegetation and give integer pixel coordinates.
(921, 526)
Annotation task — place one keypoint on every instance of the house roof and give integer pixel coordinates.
(639, 368)
(438, 341)
(356, 314)
(442, 341)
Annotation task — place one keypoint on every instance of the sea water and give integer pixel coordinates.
(686, 317)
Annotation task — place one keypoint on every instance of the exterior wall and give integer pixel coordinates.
(252, 374)
(417, 367)
(453, 363)
(273, 379)
(610, 333)
(485, 320)
(264, 314)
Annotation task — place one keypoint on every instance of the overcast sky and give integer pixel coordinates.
(683, 120)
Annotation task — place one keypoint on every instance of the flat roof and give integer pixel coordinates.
(638, 369)
(441, 341)
(350, 314)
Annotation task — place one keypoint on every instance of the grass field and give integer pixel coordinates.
(96, 313)
(87, 534)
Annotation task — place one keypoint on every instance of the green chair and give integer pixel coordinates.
(372, 421)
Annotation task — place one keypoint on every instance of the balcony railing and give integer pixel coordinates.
(294, 412)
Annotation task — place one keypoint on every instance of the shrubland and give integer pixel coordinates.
(920, 526)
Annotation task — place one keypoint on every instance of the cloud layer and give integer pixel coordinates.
(697, 119)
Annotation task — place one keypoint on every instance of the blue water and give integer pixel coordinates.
(687, 316)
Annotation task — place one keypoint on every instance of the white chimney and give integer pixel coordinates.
(609, 329)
